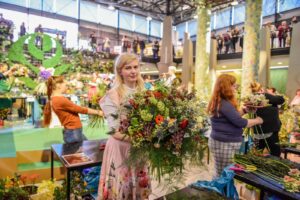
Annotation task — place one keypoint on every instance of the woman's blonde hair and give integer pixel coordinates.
(255, 87)
(121, 61)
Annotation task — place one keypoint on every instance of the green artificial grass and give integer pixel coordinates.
(7, 146)
(37, 165)
(39, 139)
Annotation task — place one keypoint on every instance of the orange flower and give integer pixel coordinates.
(159, 119)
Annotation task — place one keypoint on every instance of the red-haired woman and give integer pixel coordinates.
(227, 124)
(66, 110)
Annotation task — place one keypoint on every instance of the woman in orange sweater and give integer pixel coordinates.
(66, 110)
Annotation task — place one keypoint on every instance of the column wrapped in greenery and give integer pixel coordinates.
(251, 44)
(202, 78)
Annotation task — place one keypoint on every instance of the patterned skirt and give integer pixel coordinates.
(117, 180)
(223, 153)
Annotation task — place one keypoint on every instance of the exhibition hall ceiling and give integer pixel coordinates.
(181, 10)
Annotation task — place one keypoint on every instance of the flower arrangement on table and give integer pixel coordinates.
(281, 171)
(291, 182)
(164, 126)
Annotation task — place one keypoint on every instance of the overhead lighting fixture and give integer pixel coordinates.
(234, 3)
(195, 16)
(110, 7)
(149, 18)
(279, 63)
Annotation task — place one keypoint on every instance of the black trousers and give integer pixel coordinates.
(272, 141)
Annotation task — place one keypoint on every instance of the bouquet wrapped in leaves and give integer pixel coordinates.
(97, 121)
(164, 126)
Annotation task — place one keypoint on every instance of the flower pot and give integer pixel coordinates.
(31, 189)
(1, 122)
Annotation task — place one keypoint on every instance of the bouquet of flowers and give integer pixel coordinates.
(164, 126)
(255, 101)
(97, 121)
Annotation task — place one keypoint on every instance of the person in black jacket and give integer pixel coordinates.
(267, 136)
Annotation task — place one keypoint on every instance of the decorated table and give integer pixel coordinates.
(265, 185)
(91, 149)
(270, 174)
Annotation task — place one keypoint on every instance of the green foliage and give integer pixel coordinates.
(16, 54)
(28, 82)
(55, 60)
(62, 69)
(47, 43)
(33, 50)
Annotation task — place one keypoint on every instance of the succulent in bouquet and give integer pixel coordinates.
(164, 126)
(97, 121)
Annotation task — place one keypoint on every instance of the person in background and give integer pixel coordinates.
(106, 45)
(117, 179)
(272, 91)
(171, 76)
(282, 34)
(93, 41)
(227, 41)
(220, 44)
(142, 47)
(66, 110)
(226, 121)
(242, 33)
(22, 29)
(148, 82)
(135, 45)
(267, 136)
(125, 44)
(39, 38)
(155, 49)
(296, 100)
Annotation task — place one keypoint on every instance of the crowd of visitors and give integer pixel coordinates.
(232, 40)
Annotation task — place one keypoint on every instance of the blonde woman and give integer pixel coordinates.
(117, 180)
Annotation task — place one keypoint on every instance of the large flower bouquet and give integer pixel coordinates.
(164, 126)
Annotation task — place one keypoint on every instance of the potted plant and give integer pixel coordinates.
(10, 189)
(29, 188)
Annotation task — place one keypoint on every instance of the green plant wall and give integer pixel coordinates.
(278, 79)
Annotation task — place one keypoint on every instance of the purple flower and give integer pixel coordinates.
(45, 74)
